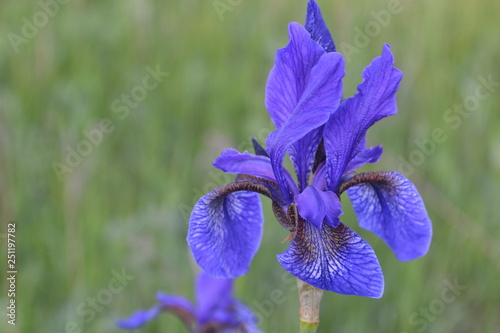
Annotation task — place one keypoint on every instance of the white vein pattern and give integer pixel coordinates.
(394, 211)
(225, 232)
(335, 259)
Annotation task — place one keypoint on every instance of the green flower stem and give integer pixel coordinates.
(310, 299)
(308, 327)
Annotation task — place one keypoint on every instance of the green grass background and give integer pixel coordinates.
(125, 205)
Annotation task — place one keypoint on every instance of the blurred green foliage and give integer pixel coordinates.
(125, 205)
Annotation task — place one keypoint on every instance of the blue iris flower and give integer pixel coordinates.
(325, 139)
(216, 310)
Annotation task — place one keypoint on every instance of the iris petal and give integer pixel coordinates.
(309, 85)
(302, 154)
(316, 206)
(368, 155)
(319, 177)
(212, 293)
(335, 259)
(232, 161)
(176, 302)
(243, 316)
(290, 74)
(139, 318)
(394, 211)
(225, 230)
(346, 128)
(316, 26)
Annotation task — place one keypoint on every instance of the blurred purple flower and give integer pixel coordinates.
(324, 137)
(216, 311)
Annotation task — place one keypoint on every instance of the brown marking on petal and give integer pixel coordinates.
(293, 214)
(282, 217)
(366, 177)
(187, 317)
(244, 183)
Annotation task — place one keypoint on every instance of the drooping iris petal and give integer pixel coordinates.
(224, 232)
(346, 128)
(335, 259)
(244, 317)
(139, 318)
(232, 161)
(316, 26)
(368, 155)
(176, 303)
(212, 293)
(394, 210)
(303, 89)
(317, 206)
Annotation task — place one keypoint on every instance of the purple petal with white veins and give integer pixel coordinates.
(346, 128)
(316, 26)
(368, 155)
(232, 161)
(224, 232)
(212, 294)
(394, 210)
(334, 259)
(139, 318)
(317, 206)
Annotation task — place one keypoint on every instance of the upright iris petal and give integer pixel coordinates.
(346, 128)
(316, 26)
(303, 89)
(212, 293)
